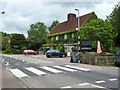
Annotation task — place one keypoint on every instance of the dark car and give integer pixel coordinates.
(51, 53)
(26, 52)
(117, 59)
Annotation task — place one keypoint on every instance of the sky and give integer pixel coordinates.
(20, 14)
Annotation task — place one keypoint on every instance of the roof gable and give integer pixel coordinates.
(71, 24)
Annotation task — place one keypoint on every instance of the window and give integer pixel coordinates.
(56, 37)
(65, 36)
(72, 35)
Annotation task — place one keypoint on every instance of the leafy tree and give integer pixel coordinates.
(114, 18)
(17, 41)
(5, 43)
(54, 23)
(97, 29)
(37, 35)
(4, 37)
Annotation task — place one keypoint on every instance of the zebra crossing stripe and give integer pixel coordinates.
(113, 79)
(83, 69)
(64, 68)
(18, 73)
(51, 69)
(36, 71)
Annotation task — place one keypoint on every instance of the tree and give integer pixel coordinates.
(4, 38)
(114, 19)
(37, 35)
(97, 29)
(17, 41)
(54, 23)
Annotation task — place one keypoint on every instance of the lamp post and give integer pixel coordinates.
(79, 45)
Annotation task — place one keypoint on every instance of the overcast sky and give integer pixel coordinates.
(22, 13)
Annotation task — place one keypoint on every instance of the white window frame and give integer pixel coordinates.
(65, 36)
(72, 35)
(56, 37)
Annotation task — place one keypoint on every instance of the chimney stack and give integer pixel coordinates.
(71, 16)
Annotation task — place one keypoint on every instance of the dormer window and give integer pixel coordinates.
(65, 36)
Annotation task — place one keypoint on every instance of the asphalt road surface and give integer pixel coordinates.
(40, 72)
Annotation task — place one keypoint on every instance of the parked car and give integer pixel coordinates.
(51, 53)
(26, 52)
(117, 59)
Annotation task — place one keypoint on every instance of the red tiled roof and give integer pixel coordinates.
(70, 24)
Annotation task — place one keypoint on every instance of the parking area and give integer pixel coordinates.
(41, 59)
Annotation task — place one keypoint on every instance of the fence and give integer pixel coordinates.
(97, 60)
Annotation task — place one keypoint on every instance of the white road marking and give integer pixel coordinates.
(66, 87)
(99, 81)
(36, 71)
(7, 63)
(18, 73)
(83, 69)
(113, 79)
(97, 86)
(52, 69)
(23, 60)
(83, 84)
(3, 60)
(64, 68)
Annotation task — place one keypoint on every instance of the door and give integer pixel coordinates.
(69, 50)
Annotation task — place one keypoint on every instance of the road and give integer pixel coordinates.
(37, 71)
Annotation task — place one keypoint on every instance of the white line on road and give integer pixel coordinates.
(7, 63)
(83, 84)
(3, 60)
(65, 87)
(99, 81)
(113, 79)
(18, 73)
(97, 86)
(36, 71)
(84, 69)
(52, 69)
(64, 68)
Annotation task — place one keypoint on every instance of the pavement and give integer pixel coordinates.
(9, 80)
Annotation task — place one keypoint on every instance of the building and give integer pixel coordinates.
(65, 33)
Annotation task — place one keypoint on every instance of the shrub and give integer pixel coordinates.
(16, 51)
(61, 49)
(114, 49)
(22, 49)
(8, 51)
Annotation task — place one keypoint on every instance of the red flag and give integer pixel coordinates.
(99, 48)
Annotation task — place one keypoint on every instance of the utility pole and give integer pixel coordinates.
(79, 44)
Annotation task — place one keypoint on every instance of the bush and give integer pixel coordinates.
(8, 51)
(114, 49)
(16, 51)
(61, 49)
(22, 49)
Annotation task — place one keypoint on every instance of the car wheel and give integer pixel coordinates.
(35, 54)
(26, 54)
(63, 56)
